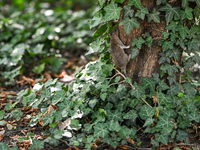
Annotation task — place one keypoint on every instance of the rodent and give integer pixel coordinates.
(120, 58)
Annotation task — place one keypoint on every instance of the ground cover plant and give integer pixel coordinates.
(34, 33)
(102, 107)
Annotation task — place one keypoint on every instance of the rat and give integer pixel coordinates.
(120, 58)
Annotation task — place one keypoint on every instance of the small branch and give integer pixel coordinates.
(146, 102)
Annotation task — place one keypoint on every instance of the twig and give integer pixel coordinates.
(146, 102)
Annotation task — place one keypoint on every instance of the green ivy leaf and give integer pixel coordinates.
(189, 89)
(193, 45)
(163, 138)
(129, 23)
(198, 3)
(158, 2)
(187, 13)
(154, 16)
(132, 115)
(96, 46)
(136, 3)
(100, 130)
(3, 146)
(138, 42)
(181, 135)
(134, 52)
(47, 119)
(128, 12)
(124, 132)
(184, 3)
(164, 122)
(98, 17)
(183, 30)
(37, 144)
(171, 69)
(148, 83)
(141, 13)
(58, 97)
(147, 112)
(167, 45)
(115, 115)
(119, 1)
(112, 11)
(194, 116)
(170, 12)
(39, 69)
(172, 26)
(113, 125)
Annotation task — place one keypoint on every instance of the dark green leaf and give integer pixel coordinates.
(141, 13)
(136, 3)
(128, 12)
(154, 16)
(129, 23)
(100, 130)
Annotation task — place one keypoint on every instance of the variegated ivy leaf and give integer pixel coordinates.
(154, 16)
(136, 3)
(141, 13)
(100, 130)
(164, 122)
(194, 116)
(163, 138)
(113, 125)
(128, 12)
(147, 112)
(170, 12)
(112, 11)
(129, 23)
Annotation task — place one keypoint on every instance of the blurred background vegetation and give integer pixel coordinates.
(39, 36)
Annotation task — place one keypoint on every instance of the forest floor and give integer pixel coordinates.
(12, 129)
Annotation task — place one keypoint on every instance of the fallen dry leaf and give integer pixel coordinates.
(9, 126)
(1, 136)
(14, 137)
(123, 146)
(64, 124)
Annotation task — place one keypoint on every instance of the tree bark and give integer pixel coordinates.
(146, 62)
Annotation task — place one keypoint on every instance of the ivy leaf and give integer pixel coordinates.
(96, 19)
(113, 125)
(163, 138)
(136, 3)
(167, 45)
(129, 23)
(174, 89)
(138, 42)
(171, 69)
(124, 132)
(158, 2)
(148, 122)
(170, 12)
(149, 41)
(141, 13)
(37, 144)
(58, 97)
(3, 146)
(112, 11)
(194, 116)
(154, 16)
(100, 130)
(128, 11)
(189, 89)
(119, 1)
(148, 83)
(184, 3)
(172, 26)
(115, 115)
(187, 13)
(198, 3)
(47, 119)
(132, 115)
(162, 86)
(181, 135)
(193, 45)
(164, 122)
(147, 112)
(96, 46)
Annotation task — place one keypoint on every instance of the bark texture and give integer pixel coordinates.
(146, 62)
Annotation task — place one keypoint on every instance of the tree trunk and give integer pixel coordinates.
(146, 62)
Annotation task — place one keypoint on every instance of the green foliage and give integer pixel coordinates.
(99, 104)
(36, 36)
